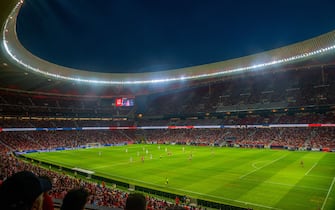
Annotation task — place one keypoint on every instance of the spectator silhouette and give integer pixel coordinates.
(136, 201)
(23, 191)
(75, 199)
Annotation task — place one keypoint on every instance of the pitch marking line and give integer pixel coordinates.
(253, 171)
(319, 176)
(229, 199)
(255, 163)
(311, 169)
(330, 188)
(290, 185)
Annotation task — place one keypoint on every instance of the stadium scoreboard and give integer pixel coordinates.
(119, 102)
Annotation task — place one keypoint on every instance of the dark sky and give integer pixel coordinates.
(152, 35)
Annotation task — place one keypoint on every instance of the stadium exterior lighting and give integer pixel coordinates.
(10, 25)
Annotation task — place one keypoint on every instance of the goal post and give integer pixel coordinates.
(93, 145)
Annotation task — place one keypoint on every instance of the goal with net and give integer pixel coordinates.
(93, 145)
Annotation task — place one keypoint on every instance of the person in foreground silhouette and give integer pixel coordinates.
(75, 199)
(23, 191)
(136, 201)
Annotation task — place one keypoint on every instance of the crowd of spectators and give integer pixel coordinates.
(53, 139)
(245, 135)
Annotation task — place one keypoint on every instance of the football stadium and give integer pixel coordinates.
(253, 132)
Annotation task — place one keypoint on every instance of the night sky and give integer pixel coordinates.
(154, 35)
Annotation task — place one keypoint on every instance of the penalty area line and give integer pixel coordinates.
(330, 188)
(253, 171)
(311, 169)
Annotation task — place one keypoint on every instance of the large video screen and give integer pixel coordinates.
(124, 102)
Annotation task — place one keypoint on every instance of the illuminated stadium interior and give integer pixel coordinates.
(262, 124)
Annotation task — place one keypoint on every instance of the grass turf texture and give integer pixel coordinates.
(255, 178)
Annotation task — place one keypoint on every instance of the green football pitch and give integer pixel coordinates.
(253, 178)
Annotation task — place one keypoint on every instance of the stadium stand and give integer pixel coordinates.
(281, 90)
(287, 89)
